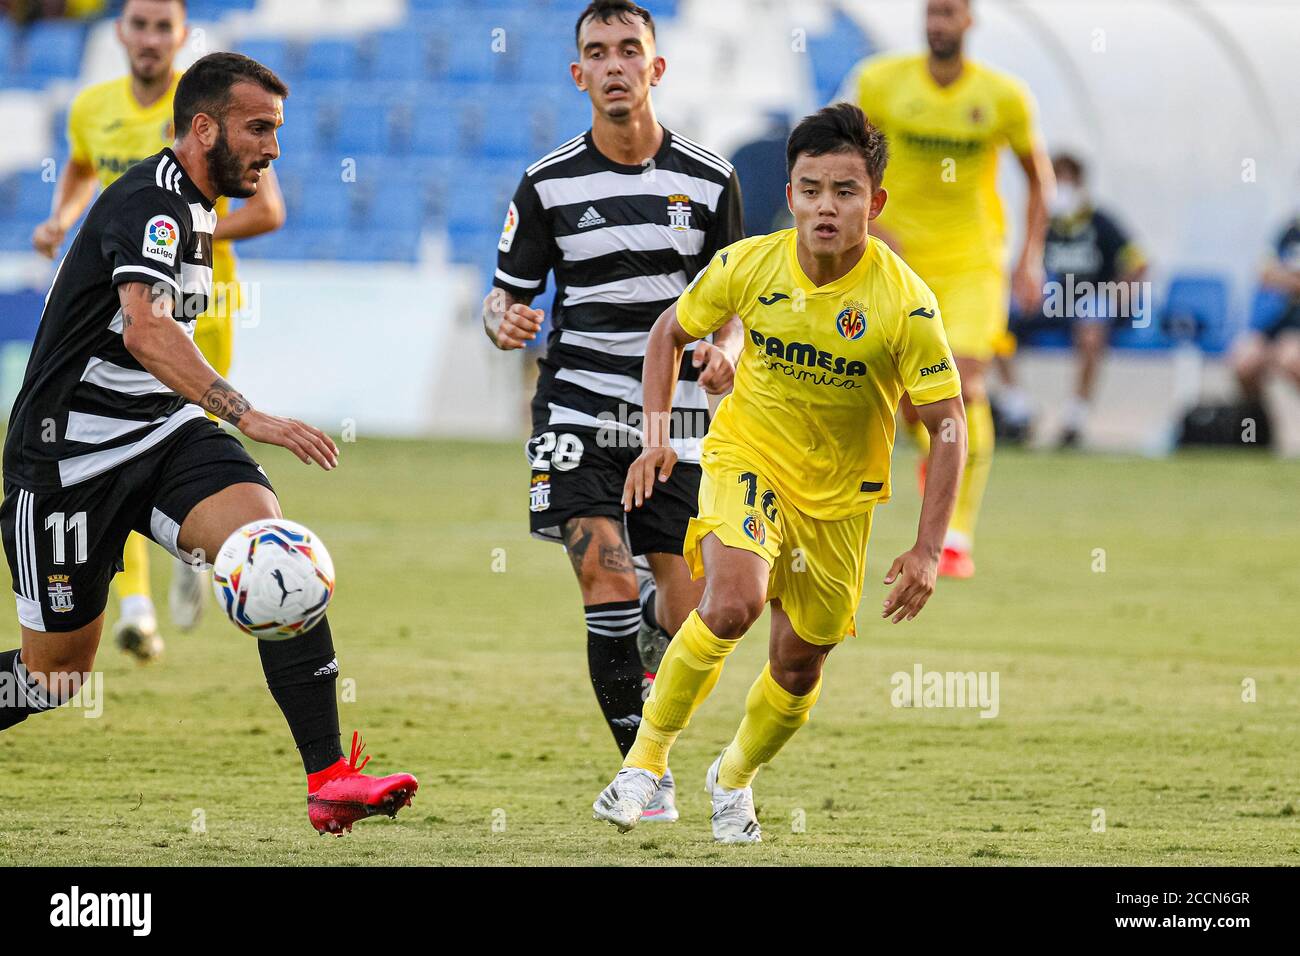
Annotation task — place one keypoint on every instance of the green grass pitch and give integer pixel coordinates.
(462, 659)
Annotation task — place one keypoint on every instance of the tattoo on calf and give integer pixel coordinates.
(222, 400)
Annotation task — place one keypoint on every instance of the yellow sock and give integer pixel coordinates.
(920, 435)
(979, 461)
(134, 579)
(688, 671)
(772, 715)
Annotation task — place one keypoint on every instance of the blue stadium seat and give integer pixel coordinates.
(835, 52)
(402, 55)
(330, 60)
(362, 129)
(469, 54)
(324, 205)
(1196, 307)
(216, 9)
(276, 55)
(46, 51)
(1266, 305)
(389, 243)
(33, 198)
(476, 247)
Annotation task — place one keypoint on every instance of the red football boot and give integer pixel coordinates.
(956, 563)
(341, 794)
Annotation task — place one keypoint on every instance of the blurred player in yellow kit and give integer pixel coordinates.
(946, 119)
(111, 126)
(837, 328)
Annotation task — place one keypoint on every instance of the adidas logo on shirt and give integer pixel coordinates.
(591, 218)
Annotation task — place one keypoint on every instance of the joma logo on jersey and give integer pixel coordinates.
(801, 353)
(679, 212)
(851, 323)
(935, 369)
(754, 529)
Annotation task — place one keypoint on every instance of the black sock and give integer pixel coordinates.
(20, 694)
(615, 665)
(300, 673)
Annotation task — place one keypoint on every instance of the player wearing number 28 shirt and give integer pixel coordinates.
(623, 215)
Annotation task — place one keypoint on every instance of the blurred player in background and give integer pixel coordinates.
(111, 127)
(796, 461)
(946, 118)
(624, 215)
(1273, 341)
(1089, 244)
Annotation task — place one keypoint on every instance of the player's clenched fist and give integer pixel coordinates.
(651, 463)
(47, 238)
(519, 326)
(717, 373)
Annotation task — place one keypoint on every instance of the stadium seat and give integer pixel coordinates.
(1196, 307)
(361, 129)
(46, 51)
(1266, 304)
(276, 55)
(330, 60)
(401, 55)
(833, 53)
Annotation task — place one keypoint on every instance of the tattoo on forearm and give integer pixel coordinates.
(222, 400)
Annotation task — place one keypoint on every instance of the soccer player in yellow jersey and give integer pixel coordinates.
(946, 119)
(837, 328)
(111, 126)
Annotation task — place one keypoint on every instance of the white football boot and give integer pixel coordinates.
(662, 807)
(137, 634)
(624, 801)
(734, 819)
(186, 594)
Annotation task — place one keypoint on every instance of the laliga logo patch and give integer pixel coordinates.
(509, 229)
(754, 529)
(851, 323)
(160, 239)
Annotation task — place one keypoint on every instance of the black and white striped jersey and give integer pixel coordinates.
(86, 405)
(623, 241)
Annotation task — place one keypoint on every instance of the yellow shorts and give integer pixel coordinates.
(974, 309)
(817, 566)
(214, 334)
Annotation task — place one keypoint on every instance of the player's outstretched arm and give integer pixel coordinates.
(509, 322)
(914, 572)
(663, 357)
(151, 334)
(72, 194)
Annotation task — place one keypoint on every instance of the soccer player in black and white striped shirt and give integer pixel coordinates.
(625, 215)
(108, 435)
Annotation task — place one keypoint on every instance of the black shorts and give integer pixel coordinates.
(575, 476)
(65, 546)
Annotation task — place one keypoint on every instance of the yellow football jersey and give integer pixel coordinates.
(822, 368)
(109, 130)
(943, 203)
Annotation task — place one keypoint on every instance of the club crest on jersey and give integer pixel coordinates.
(539, 493)
(851, 323)
(161, 237)
(754, 529)
(679, 212)
(60, 593)
(509, 229)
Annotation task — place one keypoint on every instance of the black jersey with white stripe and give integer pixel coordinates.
(86, 404)
(623, 242)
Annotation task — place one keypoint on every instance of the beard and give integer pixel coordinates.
(226, 171)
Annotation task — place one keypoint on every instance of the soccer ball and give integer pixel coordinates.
(273, 578)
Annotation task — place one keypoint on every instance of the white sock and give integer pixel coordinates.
(957, 541)
(1076, 414)
(137, 605)
(1014, 404)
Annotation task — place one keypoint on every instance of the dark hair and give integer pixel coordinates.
(606, 10)
(205, 86)
(839, 128)
(1068, 162)
(181, 2)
